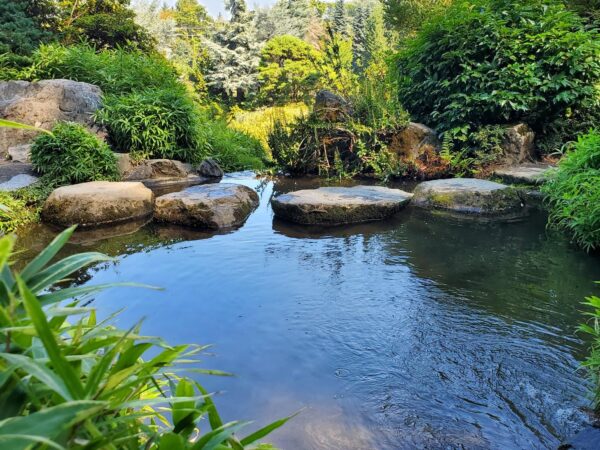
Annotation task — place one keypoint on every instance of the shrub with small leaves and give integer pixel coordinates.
(14, 213)
(71, 154)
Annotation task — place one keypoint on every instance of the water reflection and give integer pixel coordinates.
(418, 332)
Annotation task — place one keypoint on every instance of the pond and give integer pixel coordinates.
(418, 332)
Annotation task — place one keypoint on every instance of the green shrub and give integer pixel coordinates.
(573, 192)
(592, 362)
(14, 213)
(71, 154)
(116, 71)
(233, 149)
(154, 124)
(486, 62)
(71, 381)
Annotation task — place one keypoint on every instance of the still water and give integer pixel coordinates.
(420, 332)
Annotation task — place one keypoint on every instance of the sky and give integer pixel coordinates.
(215, 7)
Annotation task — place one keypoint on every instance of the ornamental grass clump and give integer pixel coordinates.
(573, 192)
(71, 154)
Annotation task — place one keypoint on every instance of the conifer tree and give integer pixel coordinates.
(340, 24)
(360, 48)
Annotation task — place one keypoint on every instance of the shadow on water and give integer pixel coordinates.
(417, 332)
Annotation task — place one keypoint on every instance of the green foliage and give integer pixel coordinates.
(573, 192)
(288, 70)
(485, 62)
(71, 154)
(233, 149)
(592, 362)
(114, 71)
(19, 33)
(408, 15)
(69, 381)
(154, 124)
(14, 213)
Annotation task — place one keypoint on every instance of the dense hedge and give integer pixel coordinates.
(486, 62)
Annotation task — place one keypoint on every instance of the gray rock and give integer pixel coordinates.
(210, 168)
(415, 140)
(210, 206)
(161, 186)
(18, 182)
(468, 196)
(331, 107)
(42, 104)
(518, 144)
(157, 168)
(524, 173)
(9, 169)
(586, 439)
(339, 205)
(124, 163)
(98, 203)
(20, 153)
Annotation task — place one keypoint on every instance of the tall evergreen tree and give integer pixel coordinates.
(19, 32)
(360, 48)
(377, 42)
(340, 24)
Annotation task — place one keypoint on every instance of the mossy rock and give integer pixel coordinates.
(469, 196)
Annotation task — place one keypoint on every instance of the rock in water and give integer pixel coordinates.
(524, 173)
(156, 168)
(468, 196)
(210, 168)
(98, 203)
(42, 104)
(339, 205)
(210, 206)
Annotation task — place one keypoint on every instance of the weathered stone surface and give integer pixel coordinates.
(98, 203)
(518, 144)
(42, 104)
(157, 168)
(210, 206)
(339, 205)
(524, 173)
(9, 169)
(586, 439)
(415, 140)
(20, 153)
(210, 168)
(331, 107)
(124, 163)
(18, 182)
(468, 196)
(161, 186)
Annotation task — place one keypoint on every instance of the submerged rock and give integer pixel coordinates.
(468, 196)
(339, 205)
(524, 173)
(98, 203)
(210, 206)
(43, 104)
(210, 168)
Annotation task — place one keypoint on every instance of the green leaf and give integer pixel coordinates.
(266, 430)
(10, 124)
(46, 255)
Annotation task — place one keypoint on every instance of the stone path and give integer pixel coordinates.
(530, 173)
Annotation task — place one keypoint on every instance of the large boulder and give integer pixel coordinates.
(339, 205)
(331, 107)
(468, 196)
(414, 140)
(155, 168)
(211, 206)
(42, 104)
(98, 203)
(518, 144)
(210, 168)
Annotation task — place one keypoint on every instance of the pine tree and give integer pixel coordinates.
(377, 42)
(340, 24)
(360, 48)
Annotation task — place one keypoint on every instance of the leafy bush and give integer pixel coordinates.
(69, 381)
(154, 124)
(71, 154)
(14, 213)
(592, 362)
(485, 62)
(115, 71)
(233, 149)
(573, 192)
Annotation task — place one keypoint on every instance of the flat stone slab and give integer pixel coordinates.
(9, 169)
(209, 206)
(339, 205)
(18, 182)
(468, 196)
(98, 203)
(524, 173)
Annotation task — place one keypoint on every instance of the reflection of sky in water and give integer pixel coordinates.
(412, 333)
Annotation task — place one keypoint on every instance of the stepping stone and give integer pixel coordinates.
(468, 196)
(98, 203)
(339, 205)
(209, 206)
(524, 173)
(18, 182)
